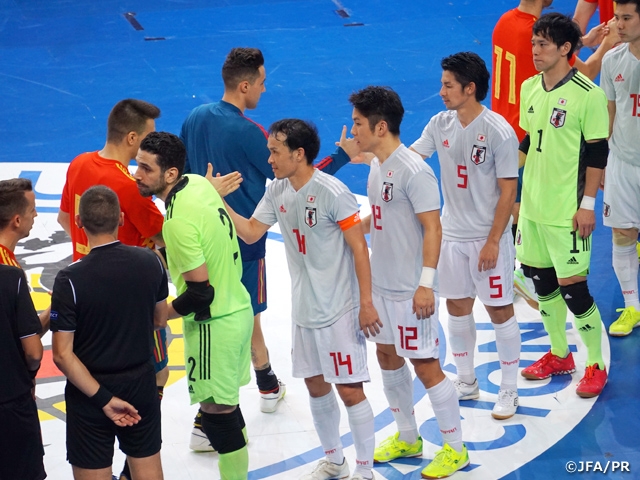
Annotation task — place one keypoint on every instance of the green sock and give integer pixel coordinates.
(589, 325)
(234, 465)
(554, 317)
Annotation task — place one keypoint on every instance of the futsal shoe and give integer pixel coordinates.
(199, 441)
(549, 365)
(357, 476)
(446, 463)
(524, 287)
(467, 391)
(506, 405)
(326, 470)
(593, 382)
(393, 448)
(269, 401)
(626, 322)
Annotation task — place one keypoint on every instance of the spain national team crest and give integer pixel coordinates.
(478, 154)
(557, 117)
(606, 209)
(387, 191)
(310, 217)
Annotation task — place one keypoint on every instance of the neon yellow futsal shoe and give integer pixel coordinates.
(638, 250)
(393, 448)
(627, 321)
(446, 463)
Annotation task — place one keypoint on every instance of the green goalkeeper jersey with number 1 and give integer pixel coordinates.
(559, 123)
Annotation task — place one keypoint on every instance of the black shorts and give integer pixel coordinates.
(91, 435)
(21, 451)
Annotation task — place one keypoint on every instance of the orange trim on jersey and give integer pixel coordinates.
(349, 222)
(8, 258)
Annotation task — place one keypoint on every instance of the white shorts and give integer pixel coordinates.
(338, 352)
(460, 278)
(412, 338)
(621, 208)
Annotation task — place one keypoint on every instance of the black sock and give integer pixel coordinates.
(125, 471)
(267, 380)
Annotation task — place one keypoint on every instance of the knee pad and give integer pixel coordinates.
(241, 421)
(545, 280)
(622, 240)
(223, 431)
(577, 298)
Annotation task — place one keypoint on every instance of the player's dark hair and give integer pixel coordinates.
(300, 134)
(379, 103)
(99, 210)
(559, 29)
(129, 115)
(12, 199)
(468, 67)
(625, 2)
(168, 148)
(241, 64)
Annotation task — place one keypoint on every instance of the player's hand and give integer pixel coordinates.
(370, 322)
(226, 184)
(363, 158)
(349, 145)
(584, 222)
(488, 256)
(611, 38)
(424, 303)
(121, 413)
(594, 37)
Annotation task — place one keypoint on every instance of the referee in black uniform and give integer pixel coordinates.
(21, 449)
(103, 312)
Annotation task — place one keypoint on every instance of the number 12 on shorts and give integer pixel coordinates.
(338, 362)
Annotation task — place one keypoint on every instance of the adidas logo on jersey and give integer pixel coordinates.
(530, 109)
(191, 389)
(572, 261)
(445, 144)
(586, 328)
(619, 78)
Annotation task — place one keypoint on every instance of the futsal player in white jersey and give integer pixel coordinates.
(478, 154)
(620, 80)
(405, 242)
(332, 307)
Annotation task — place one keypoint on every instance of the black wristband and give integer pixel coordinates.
(33, 373)
(102, 397)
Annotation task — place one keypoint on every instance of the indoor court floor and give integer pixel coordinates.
(65, 63)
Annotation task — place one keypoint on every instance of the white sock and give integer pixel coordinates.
(362, 430)
(625, 264)
(462, 338)
(444, 401)
(398, 388)
(326, 418)
(508, 343)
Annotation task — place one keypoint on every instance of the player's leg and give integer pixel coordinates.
(254, 278)
(456, 285)
(223, 428)
(80, 473)
(147, 468)
(625, 265)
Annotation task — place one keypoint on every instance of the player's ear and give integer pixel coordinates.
(121, 221)
(78, 221)
(381, 128)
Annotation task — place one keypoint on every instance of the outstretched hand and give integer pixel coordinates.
(225, 184)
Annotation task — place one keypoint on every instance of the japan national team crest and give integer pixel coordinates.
(606, 209)
(387, 191)
(518, 237)
(310, 217)
(478, 154)
(557, 117)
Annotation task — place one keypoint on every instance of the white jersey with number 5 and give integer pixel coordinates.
(401, 187)
(324, 285)
(471, 160)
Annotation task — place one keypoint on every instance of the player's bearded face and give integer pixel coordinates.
(149, 176)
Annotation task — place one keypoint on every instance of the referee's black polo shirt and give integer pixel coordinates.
(108, 299)
(18, 319)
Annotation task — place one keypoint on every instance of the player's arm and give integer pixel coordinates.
(583, 13)
(366, 224)
(424, 302)
(523, 150)
(196, 298)
(424, 157)
(120, 412)
(596, 151)
(488, 256)
(591, 67)
(64, 219)
(158, 240)
(369, 320)
(45, 318)
(611, 108)
(249, 230)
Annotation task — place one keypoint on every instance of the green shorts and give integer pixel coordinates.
(217, 357)
(546, 246)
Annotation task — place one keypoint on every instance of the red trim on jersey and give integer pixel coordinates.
(322, 164)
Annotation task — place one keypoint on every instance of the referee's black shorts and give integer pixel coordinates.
(21, 451)
(91, 435)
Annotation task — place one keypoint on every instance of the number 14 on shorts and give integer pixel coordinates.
(340, 361)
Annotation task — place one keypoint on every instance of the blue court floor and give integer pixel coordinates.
(65, 63)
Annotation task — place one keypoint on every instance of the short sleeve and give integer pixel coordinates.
(345, 206)
(505, 155)
(28, 323)
(63, 304)
(64, 202)
(183, 245)
(163, 288)
(595, 118)
(606, 80)
(524, 92)
(265, 212)
(426, 144)
(422, 190)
